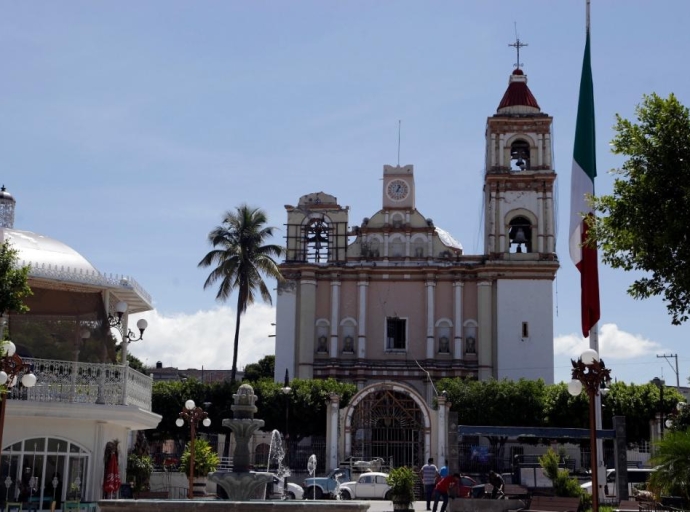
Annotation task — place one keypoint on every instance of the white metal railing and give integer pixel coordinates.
(76, 382)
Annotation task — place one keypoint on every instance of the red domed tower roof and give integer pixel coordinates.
(518, 94)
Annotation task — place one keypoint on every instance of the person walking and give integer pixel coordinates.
(429, 472)
(443, 487)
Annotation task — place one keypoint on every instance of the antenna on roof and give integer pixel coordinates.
(517, 45)
(399, 129)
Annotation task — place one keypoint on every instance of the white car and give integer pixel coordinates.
(274, 489)
(369, 486)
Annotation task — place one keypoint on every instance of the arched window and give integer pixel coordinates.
(520, 235)
(32, 465)
(519, 155)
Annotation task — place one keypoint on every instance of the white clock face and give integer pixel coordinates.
(398, 190)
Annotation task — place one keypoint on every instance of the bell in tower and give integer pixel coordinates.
(519, 178)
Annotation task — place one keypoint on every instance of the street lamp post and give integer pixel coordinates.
(128, 336)
(192, 414)
(286, 391)
(590, 372)
(660, 383)
(11, 365)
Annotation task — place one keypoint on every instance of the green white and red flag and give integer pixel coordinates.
(582, 185)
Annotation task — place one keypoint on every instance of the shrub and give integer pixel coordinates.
(206, 459)
(402, 481)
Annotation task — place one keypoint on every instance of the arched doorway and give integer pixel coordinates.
(390, 422)
(41, 470)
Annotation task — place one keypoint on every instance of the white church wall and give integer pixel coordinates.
(529, 356)
(513, 200)
(286, 305)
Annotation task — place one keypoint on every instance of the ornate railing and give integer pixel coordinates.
(86, 383)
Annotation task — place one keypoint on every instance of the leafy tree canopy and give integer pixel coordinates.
(264, 369)
(643, 224)
(14, 287)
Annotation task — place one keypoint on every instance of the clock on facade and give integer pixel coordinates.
(398, 190)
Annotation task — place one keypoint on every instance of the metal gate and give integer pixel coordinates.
(388, 424)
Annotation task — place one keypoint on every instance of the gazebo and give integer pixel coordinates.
(55, 433)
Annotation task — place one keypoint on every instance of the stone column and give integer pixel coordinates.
(458, 287)
(307, 320)
(362, 285)
(485, 341)
(335, 320)
(332, 415)
(430, 286)
(441, 450)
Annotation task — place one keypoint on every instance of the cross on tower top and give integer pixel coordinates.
(517, 45)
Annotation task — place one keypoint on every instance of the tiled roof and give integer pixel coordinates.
(518, 94)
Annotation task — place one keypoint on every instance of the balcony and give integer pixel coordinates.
(86, 383)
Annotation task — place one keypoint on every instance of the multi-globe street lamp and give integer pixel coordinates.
(590, 372)
(192, 414)
(11, 366)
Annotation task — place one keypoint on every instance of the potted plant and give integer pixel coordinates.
(206, 461)
(139, 469)
(402, 481)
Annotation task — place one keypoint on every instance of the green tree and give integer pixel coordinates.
(242, 258)
(672, 458)
(643, 224)
(14, 287)
(263, 369)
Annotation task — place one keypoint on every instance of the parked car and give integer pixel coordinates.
(369, 486)
(469, 488)
(325, 487)
(274, 489)
(636, 477)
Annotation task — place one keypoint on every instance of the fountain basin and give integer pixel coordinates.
(206, 505)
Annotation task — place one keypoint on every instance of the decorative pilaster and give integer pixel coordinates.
(485, 342)
(362, 285)
(458, 287)
(430, 286)
(335, 308)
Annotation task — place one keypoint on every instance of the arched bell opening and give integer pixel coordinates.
(520, 235)
(519, 155)
(316, 241)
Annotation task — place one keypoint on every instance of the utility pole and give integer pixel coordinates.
(675, 356)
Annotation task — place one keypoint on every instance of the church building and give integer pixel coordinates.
(395, 304)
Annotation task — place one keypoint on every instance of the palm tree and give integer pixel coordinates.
(242, 259)
(672, 475)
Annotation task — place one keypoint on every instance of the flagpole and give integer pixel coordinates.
(594, 344)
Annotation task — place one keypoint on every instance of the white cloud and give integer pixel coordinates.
(205, 338)
(613, 344)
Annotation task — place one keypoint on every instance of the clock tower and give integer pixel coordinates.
(398, 187)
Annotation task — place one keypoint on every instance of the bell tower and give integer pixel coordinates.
(519, 177)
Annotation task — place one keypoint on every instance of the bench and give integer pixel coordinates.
(628, 506)
(554, 504)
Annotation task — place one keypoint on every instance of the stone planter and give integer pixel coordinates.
(402, 506)
(200, 485)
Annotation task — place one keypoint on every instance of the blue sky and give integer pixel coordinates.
(128, 128)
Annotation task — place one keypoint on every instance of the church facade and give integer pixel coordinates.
(394, 304)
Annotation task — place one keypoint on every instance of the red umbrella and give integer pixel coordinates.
(111, 482)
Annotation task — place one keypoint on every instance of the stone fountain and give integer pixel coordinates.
(240, 484)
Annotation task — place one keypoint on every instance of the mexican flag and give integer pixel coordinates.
(582, 185)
